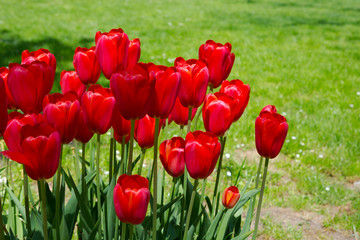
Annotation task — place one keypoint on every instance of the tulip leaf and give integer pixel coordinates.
(243, 236)
(16, 201)
(208, 202)
(94, 231)
(239, 172)
(213, 227)
(110, 209)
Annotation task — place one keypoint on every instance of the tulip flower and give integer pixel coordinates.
(133, 53)
(202, 150)
(132, 91)
(63, 114)
(98, 104)
(239, 91)
(167, 87)
(172, 156)
(180, 114)
(218, 112)
(219, 61)
(120, 125)
(131, 198)
(270, 132)
(42, 55)
(230, 197)
(69, 81)
(194, 81)
(83, 133)
(29, 83)
(3, 107)
(4, 72)
(86, 65)
(145, 131)
(112, 51)
(38, 148)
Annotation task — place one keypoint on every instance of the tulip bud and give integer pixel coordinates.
(172, 156)
(145, 131)
(86, 65)
(70, 82)
(180, 114)
(230, 197)
(42, 55)
(133, 54)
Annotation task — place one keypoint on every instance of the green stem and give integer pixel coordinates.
(43, 207)
(196, 183)
(131, 147)
(202, 194)
(76, 164)
(197, 116)
(83, 172)
(156, 135)
(169, 212)
(111, 156)
(58, 200)
(258, 172)
(98, 181)
(223, 141)
(258, 211)
(189, 120)
(123, 231)
(2, 236)
(26, 196)
(131, 231)
(117, 222)
(114, 158)
(143, 151)
(123, 163)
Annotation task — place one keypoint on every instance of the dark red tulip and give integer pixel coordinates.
(194, 81)
(145, 131)
(63, 114)
(202, 150)
(29, 83)
(133, 53)
(4, 72)
(83, 133)
(3, 107)
(38, 148)
(171, 154)
(167, 87)
(42, 55)
(218, 112)
(58, 97)
(270, 132)
(120, 125)
(131, 198)
(112, 51)
(219, 61)
(180, 114)
(230, 197)
(98, 104)
(69, 81)
(132, 91)
(239, 91)
(86, 65)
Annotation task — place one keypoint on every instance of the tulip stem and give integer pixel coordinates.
(131, 231)
(214, 203)
(58, 200)
(123, 231)
(26, 196)
(202, 194)
(189, 120)
(83, 172)
(258, 210)
(169, 213)
(123, 163)
(156, 136)
(131, 147)
(43, 207)
(111, 156)
(196, 183)
(143, 151)
(98, 181)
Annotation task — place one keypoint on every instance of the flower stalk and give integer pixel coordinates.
(157, 124)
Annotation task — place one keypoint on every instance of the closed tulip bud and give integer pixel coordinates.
(112, 51)
(180, 114)
(270, 132)
(132, 91)
(239, 91)
(194, 81)
(70, 82)
(42, 55)
(133, 53)
(3, 107)
(38, 148)
(131, 198)
(29, 84)
(167, 87)
(4, 72)
(202, 150)
(120, 125)
(83, 133)
(98, 105)
(172, 156)
(63, 114)
(230, 197)
(219, 61)
(86, 65)
(145, 131)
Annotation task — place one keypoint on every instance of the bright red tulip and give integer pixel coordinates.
(167, 87)
(133, 53)
(120, 125)
(218, 112)
(38, 149)
(202, 150)
(171, 154)
(112, 51)
(145, 131)
(29, 83)
(3, 107)
(86, 65)
(98, 105)
(42, 55)
(4, 72)
(219, 61)
(270, 132)
(69, 81)
(194, 81)
(239, 91)
(131, 198)
(132, 91)
(63, 114)
(180, 114)
(83, 133)
(230, 197)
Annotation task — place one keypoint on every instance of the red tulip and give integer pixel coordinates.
(69, 81)
(83, 133)
(172, 156)
(86, 65)
(230, 197)
(219, 61)
(98, 104)
(270, 132)
(131, 198)
(112, 50)
(145, 131)
(4, 72)
(167, 87)
(202, 150)
(132, 91)
(42, 55)
(3, 107)
(239, 91)
(133, 53)
(218, 112)
(120, 125)
(194, 81)
(180, 114)
(29, 83)
(63, 114)
(38, 149)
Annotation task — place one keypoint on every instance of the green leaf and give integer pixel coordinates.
(16, 201)
(110, 209)
(211, 231)
(243, 236)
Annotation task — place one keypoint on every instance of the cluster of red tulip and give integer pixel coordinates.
(140, 99)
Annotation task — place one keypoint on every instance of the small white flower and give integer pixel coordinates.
(302, 143)
(80, 150)
(321, 156)
(300, 151)
(171, 60)
(108, 133)
(242, 145)
(237, 146)
(300, 110)
(170, 24)
(297, 155)
(351, 105)
(312, 167)
(293, 138)
(327, 188)
(227, 155)
(236, 139)
(284, 113)
(358, 93)
(228, 173)
(144, 165)
(287, 140)
(106, 172)
(117, 152)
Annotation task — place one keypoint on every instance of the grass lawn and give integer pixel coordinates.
(301, 56)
